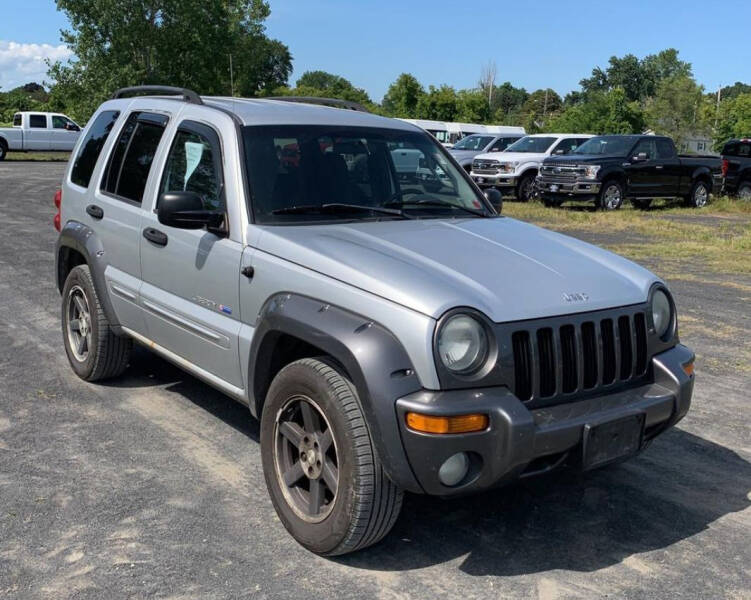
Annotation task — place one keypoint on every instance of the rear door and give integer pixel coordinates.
(64, 133)
(191, 278)
(669, 170)
(116, 209)
(37, 134)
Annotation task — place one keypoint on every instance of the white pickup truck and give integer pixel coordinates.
(39, 132)
(514, 170)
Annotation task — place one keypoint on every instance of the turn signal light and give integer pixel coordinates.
(58, 200)
(688, 368)
(455, 424)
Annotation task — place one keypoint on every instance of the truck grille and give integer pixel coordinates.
(560, 172)
(554, 359)
(485, 167)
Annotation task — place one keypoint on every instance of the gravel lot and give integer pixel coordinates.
(151, 485)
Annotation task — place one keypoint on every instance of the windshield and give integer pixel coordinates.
(539, 145)
(473, 142)
(309, 173)
(618, 145)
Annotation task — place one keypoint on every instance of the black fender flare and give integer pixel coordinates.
(371, 355)
(84, 240)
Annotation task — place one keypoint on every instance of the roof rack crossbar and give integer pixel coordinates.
(188, 95)
(336, 102)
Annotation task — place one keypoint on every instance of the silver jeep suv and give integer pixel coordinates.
(391, 330)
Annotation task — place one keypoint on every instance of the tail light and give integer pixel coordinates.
(725, 165)
(58, 200)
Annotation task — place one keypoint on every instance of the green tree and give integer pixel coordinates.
(539, 108)
(172, 42)
(439, 104)
(508, 102)
(733, 119)
(603, 112)
(472, 106)
(403, 96)
(678, 109)
(732, 91)
(321, 84)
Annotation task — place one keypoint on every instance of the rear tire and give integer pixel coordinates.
(699, 195)
(744, 191)
(3, 150)
(93, 350)
(324, 478)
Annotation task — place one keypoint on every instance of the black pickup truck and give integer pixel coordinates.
(736, 168)
(608, 169)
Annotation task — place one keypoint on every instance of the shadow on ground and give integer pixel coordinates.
(582, 522)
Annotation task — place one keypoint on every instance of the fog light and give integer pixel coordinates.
(454, 469)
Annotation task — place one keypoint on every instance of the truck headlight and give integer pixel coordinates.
(462, 344)
(590, 171)
(662, 312)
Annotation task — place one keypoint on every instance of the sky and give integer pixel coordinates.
(538, 44)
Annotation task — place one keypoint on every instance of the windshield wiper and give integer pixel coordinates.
(439, 204)
(336, 207)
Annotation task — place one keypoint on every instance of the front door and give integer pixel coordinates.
(64, 133)
(191, 277)
(645, 174)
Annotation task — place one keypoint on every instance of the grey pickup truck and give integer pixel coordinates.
(390, 334)
(608, 169)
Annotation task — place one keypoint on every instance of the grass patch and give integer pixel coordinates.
(717, 238)
(38, 156)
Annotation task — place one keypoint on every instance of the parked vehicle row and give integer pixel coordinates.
(612, 168)
(274, 250)
(449, 133)
(515, 169)
(40, 132)
(466, 149)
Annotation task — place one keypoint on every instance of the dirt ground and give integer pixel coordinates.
(151, 485)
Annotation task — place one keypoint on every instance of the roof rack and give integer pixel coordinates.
(335, 102)
(188, 95)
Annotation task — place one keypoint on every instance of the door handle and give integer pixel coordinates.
(95, 211)
(658, 166)
(154, 235)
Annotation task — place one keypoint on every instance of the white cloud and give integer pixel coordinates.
(21, 63)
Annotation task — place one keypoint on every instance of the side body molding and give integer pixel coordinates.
(82, 239)
(372, 356)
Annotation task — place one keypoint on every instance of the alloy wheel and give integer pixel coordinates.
(306, 460)
(79, 323)
(700, 196)
(611, 199)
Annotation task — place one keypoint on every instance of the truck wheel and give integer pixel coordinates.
(323, 475)
(699, 196)
(744, 190)
(641, 204)
(93, 350)
(611, 196)
(525, 188)
(3, 150)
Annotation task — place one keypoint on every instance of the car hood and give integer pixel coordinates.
(505, 268)
(507, 157)
(463, 154)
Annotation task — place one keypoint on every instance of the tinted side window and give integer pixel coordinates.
(38, 121)
(91, 147)
(133, 154)
(566, 146)
(503, 143)
(17, 120)
(730, 149)
(58, 122)
(647, 147)
(665, 149)
(194, 165)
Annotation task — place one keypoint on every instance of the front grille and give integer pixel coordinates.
(560, 172)
(485, 165)
(555, 358)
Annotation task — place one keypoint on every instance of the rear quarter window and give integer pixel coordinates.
(91, 147)
(17, 120)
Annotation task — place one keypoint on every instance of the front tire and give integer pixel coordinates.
(699, 195)
(3, 150)
(611, 196)
(93, 349)
(525, 188)
(324, 478)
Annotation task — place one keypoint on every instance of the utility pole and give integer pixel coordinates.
(545, 107)
(231, 77)
(717, 110)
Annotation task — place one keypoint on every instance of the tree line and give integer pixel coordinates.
(220, 47)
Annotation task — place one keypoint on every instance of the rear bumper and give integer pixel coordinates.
(521, 442)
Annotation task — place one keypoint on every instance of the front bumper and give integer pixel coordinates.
(522, 441)
(576, 188)
(497, 180)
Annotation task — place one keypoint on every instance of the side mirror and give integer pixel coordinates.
(495, 198)
(641, 157)
(495, 149)
(560, 151)
(185, 210)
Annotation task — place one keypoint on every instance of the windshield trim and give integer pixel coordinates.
(487, 208)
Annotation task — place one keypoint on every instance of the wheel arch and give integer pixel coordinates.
(78, 244)
(292, 326)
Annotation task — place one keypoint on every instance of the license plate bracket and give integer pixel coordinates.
(610, 441)
(553, 187)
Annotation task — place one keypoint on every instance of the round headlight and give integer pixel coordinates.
(661, 312)
(462, 344)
